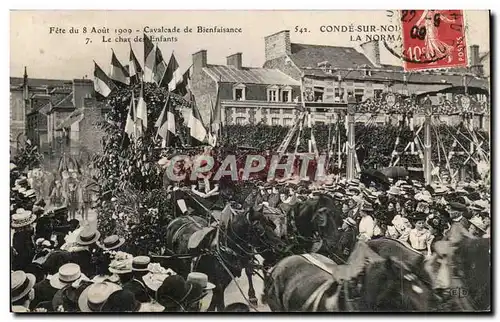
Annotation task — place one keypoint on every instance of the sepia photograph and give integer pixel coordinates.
(253, 161)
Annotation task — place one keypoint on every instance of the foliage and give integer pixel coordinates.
(27, 157)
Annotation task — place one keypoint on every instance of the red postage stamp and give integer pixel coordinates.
(433, 39)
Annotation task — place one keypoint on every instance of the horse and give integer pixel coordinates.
(317, 218)
(461, 270)
(315, 283)
(223, 250)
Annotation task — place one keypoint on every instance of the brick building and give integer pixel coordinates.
(247, 95)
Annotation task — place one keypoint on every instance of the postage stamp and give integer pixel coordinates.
(433, 39)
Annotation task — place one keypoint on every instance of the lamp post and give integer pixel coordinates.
(427, 141)
(351, 144)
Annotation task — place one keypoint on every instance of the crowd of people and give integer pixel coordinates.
(61, 263)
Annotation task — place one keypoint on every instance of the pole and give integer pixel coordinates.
(427, 142)
(351, 149)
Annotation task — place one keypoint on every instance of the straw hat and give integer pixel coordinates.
(67, 274)
(140, 263)
(477, 221)
(20, 284)
(200, 279)
(88, 236)
(22, 218)
(395, 191)
(93, 297)
(121, 264)
(112, 242)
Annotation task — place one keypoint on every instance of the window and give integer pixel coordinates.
(358, 94)
(240, 120)
(339, 94)
(239, 92)
(318, 93)
(377, 93)
(286, 96)
(275, 121)
(272, 95)
(287, 121)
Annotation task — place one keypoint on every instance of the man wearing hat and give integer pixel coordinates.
(201, 296)
(87, 238)
(21, 291)
(22, 241)
(348, 238)
(136, 284)
(457, 213)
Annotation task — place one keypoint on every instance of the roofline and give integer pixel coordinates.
(278, 32)
(329, 46)
(218, 81)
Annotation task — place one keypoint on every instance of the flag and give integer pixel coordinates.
(196, 128)
(149, 59)
(134, 68)
(212, 135)
(118, 73)
(102, 83)
(166, 123)
(130, 125)
(173, 75)
(142, 110)
(216, 122)
(185, 85)
(160, 67)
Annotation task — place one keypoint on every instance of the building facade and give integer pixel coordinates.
(247, 95)
(331, 75)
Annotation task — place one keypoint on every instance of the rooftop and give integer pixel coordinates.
(340, 57)
(249, 75)
(39, 82)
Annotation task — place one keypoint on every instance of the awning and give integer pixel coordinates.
(75, 116)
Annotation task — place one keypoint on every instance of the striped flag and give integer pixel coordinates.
(196, 128)
(134, 68)
(216, 123)
(130, 125)
(142, 109)
(118, 73)
(173, 75)
(166, 124)
(149, 59)
(212, 135)
(160, 67)
(102, 83)
(185, 85)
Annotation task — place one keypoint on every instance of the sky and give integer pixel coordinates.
(67, 56)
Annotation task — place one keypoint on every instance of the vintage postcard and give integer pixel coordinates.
(250, 161)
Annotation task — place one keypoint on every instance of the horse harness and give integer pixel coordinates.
(343, 282)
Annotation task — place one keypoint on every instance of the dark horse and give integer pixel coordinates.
(316, 219)
(225, 249)
(314, 283)
(461, 270)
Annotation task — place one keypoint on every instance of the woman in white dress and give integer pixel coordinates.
(420, 238)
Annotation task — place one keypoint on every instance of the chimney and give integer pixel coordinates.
(371, 50)
(475, 63)
(199, 61)
(235, 60)
(82, 88)
(278, 45)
